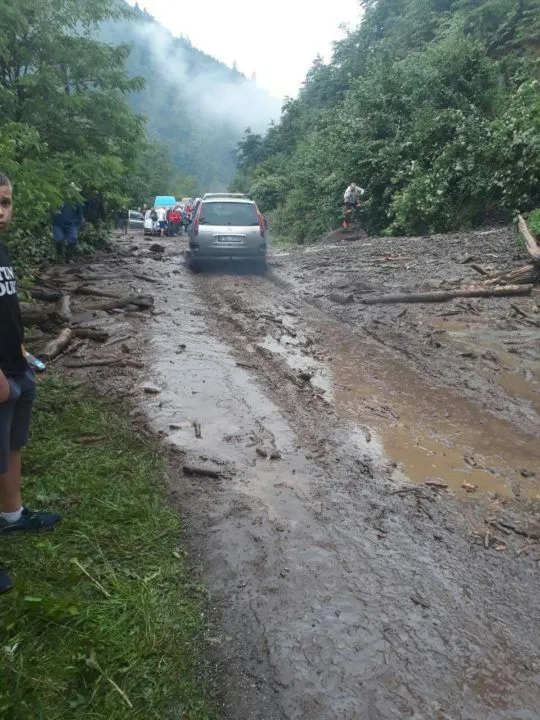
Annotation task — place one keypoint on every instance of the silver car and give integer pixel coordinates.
(136, 220)
(227, 228)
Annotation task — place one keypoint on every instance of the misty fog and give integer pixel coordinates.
(196, 107)
(234, 99)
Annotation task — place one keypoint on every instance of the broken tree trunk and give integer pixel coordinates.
(58, 345)
(64, 309)
(144, 302)
(89, 334)
(94, 291)
(530, 240)
(96, 362)
(34, 315)
(524, 274)
(443, 295)
(39, 293)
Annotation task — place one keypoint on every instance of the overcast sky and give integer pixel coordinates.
(277, 39)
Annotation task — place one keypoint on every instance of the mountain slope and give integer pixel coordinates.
(196, 107)
(433, 106)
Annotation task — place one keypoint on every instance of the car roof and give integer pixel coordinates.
(244, 200)
(223, 194)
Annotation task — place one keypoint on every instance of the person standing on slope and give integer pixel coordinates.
(351, 202)
(65, 227)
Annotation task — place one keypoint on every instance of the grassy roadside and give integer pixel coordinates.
(105, 618)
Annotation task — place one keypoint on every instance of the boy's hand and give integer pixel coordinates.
(5, 389)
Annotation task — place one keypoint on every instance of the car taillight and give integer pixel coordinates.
(261, 223)
(196, 225)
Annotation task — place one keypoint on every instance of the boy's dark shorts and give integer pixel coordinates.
(15, 415)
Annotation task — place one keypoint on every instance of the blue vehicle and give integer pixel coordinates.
(164, 201)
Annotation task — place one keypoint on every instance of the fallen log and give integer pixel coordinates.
(96, 362)
(443, 295)
(144, 302)
(134, 364)
(94, 292)
(530, 240)
(102, 362)
(58, 345)
(479, 269)
(146, 278)
(64, 309)
(40, 293)
(34, 315)
(89, 334)
(524, 274)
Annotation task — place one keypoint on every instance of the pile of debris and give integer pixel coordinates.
(54, 313)
(516, 282)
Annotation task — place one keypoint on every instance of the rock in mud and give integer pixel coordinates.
(151, 389)
(341, 298)
(202, 471)
(435, 482)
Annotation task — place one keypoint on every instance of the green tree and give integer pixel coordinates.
(64, 121)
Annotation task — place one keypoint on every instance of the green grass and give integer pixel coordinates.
(533, 221)
(281, 242)
(105, 619)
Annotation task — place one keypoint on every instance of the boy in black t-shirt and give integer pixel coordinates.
(17, 392)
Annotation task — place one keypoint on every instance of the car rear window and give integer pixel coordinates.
(228, 213)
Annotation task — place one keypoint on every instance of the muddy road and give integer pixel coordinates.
(304, 429)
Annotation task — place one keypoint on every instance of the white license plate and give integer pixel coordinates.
(229, 239)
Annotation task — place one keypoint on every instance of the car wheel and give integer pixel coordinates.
(195, 266)
(260, 266)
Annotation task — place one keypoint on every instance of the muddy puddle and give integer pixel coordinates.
(430, 433)
(517, 374)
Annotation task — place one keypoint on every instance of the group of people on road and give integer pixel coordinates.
(169, 221)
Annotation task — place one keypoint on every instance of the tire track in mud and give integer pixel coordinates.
(408, 613)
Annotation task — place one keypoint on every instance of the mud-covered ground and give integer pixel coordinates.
(360, 485)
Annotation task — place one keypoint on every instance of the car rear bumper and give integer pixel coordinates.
(213, 252)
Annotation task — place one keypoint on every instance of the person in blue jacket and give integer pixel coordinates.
(65, 228)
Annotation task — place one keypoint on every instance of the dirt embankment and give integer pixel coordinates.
(359, 485)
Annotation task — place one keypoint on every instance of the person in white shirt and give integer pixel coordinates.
(351, 201)
(162, 220)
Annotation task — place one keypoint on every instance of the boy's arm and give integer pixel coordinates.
(4, 388)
